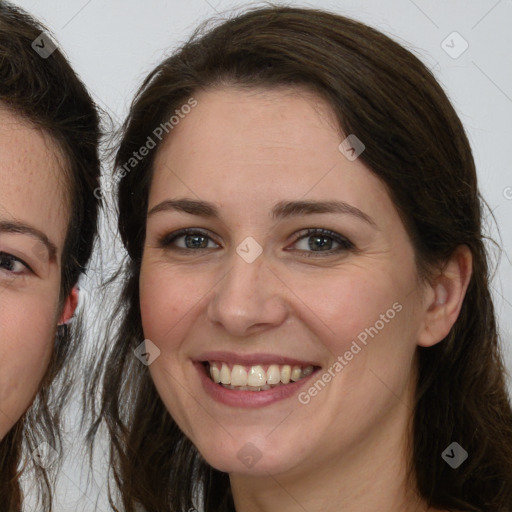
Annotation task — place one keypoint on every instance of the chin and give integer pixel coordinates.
(248, 456)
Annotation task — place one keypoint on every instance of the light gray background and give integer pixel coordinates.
(114, 43)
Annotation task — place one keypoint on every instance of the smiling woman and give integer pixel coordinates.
(49, 168)
(306, 322)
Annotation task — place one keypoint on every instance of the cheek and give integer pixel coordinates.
(347, 303)
(364, 320)
(167, 300)
(372, 322)
(27, 333)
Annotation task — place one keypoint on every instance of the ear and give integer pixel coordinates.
(69, 307)
(444, 297)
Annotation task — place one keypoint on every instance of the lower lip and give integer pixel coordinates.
(248, 399)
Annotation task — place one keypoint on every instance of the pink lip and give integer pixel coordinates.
(248, 399)
(250, 359)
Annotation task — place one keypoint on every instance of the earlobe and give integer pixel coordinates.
(449, 289)
(69, 307)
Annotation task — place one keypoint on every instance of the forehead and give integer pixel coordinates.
(247, 148)
(33, 177)
(263, 118)
(243, 134)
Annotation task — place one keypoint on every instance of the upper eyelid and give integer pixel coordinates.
(184, 232)
(25, 230)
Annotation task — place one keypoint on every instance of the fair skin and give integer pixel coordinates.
(33, 223)
(244, 152)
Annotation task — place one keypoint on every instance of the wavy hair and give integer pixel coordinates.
(49, 95)
(389, 99)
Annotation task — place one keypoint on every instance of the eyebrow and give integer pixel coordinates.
(281, 210)
(25, 229)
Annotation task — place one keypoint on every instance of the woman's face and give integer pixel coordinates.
(33, 221)
(257, 294)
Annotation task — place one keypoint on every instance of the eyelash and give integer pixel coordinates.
(11, 259)
(345, 245)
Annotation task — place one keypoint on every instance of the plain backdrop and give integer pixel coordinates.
(113, 44)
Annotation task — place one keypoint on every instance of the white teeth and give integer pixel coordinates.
(273, 374)
(296, 373)
(286, 373)
(255, 378)
(225, 374)
(238, 376)
(215, 372)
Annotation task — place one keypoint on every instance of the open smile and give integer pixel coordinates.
(258, 377)
(252, 381)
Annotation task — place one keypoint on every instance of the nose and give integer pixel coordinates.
(248, 299)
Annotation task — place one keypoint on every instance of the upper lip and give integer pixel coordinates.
(251, 359)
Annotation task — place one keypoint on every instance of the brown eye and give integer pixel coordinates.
(11, 264)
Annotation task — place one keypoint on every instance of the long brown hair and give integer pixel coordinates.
(416, 144)
(48, 94)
